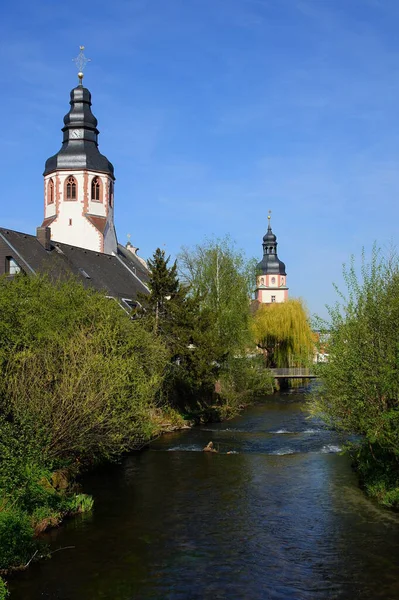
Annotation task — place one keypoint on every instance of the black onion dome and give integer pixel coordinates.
(80, 113)
(80, 141)
(269, 236)
(270, 263)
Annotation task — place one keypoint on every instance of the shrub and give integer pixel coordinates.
(82, 382)
(242, 379)
(359, 390)
(16, 538)
(3, 590)
(81, 503)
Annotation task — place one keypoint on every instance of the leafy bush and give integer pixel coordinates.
(360, 385)
(3, 590)
(81, 503)
(16, 538)
(242, 379)
(82, 377)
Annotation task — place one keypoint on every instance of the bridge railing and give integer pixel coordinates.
(292, 372)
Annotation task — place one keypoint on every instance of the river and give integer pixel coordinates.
(281, 517)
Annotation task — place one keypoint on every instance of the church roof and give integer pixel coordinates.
(80, 138)
(270, 263)
(120, 276)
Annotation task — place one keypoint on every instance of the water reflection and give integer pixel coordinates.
(281, 518)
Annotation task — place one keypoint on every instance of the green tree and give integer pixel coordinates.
(221, 278)
(360, 383)
(283, 332)
(175, 316)
(165, 291)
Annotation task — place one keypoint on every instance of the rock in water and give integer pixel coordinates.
(210, 448)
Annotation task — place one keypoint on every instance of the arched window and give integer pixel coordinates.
(111, 194)
(50, 192)
(70, 188)
(96, 189)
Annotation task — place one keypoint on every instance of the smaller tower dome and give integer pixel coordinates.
(271, 276)
(269, 236)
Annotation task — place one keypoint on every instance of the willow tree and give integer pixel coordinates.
(283, 332)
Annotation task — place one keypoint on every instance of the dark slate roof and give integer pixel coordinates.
(80, 152)
(270, 263)
(120, 276)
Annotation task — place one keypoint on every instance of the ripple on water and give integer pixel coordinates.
(330, 449)
(282, 452)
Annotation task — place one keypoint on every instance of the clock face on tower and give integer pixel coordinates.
(76, 134)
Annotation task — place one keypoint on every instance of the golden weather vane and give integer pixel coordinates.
(80, 62)
(269, 216)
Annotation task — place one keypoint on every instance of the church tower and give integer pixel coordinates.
(79, 181)
(271, 278)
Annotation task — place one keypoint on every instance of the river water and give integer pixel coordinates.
(281, 517)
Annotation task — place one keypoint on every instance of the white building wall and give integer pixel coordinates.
(71, 225)
(266, 295)
(98, 208)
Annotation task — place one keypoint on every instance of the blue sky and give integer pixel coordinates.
(214, 112)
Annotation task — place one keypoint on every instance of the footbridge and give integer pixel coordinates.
(293, 373)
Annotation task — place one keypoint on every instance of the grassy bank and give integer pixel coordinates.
(378, 472)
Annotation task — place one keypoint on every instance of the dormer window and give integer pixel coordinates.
(50, 192)
(96, 189)
(12, 267)
(70, 188)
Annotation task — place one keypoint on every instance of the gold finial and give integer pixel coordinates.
(129, 235)
(81, 61)
(269, 216)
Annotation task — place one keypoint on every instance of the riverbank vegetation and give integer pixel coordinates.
(83, 382)
(360, 385)
(78, 386)
(202, 315)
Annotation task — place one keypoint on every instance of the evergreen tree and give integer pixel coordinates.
(174, 315)
(165, 290)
